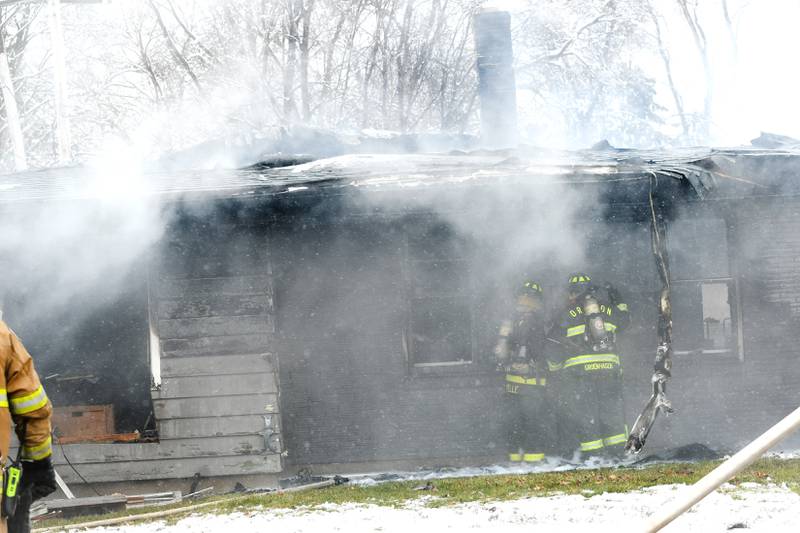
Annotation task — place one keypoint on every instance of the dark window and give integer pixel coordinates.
(704, 292)
(440, 312)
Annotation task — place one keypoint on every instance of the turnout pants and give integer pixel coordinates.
(590, 407)
(531, 424)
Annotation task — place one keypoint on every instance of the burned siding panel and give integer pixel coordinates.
(723, 402)
(149, 469)
(214, 287)
(221, 345)
(214, 306)
(223, 385)
(217, 326)
(173, 449)
(186, 428)
(346, 392)
(216, 365)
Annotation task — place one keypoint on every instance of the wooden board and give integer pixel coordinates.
(216, 386)
(111, 437)
(217, 305)
(88, 506)
(178, 428)
(203, 287)
(83, 421)
(216, 365)
(183, 468)
(254, 404)
(185, 328)
(85, 453)
(228, 344)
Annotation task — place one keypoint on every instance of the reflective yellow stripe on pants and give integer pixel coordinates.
(591, 445)
(615, 439)
(591, 358)
(512, 378)
(40, 451)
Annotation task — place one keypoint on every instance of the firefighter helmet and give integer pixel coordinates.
(530, 287)
(529, 296)
(579, 282)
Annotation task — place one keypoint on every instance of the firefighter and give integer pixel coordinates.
(588, 369)
(519, 354)
(24, 402)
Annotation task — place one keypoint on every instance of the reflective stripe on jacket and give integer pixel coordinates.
(22, 399)
(571, 347)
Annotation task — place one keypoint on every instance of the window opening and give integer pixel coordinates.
(440, 325)
(705, 306)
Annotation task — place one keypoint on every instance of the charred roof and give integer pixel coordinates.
(710, 173)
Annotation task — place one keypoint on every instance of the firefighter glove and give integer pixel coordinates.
(40, 477)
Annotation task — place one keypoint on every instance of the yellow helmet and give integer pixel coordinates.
(579, 282)
(529, 296)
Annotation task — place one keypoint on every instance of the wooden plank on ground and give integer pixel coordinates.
(216, 365)
(85, 506)
(223, 385)
(254, 404)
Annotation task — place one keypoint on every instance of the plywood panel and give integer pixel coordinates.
(254, 404)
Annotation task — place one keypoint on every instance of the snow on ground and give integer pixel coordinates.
(751, 507)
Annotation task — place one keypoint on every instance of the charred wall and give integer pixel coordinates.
(347, 391)
(370, 324)
(212, 308)
(725, 401)
(350, 393)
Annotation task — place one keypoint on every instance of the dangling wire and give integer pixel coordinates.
(663, 364)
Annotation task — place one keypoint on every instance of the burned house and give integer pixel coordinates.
(340, 314)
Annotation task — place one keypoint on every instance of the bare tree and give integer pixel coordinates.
(12, 118)
(664, 53)
(13, 42)
(689, 13)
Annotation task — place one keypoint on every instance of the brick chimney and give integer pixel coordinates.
(496, 84)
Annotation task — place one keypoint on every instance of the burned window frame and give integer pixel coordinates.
(469, 363)
(699, 280)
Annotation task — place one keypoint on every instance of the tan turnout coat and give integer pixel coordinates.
(22, 398)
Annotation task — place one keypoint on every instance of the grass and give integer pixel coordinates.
(492, 488)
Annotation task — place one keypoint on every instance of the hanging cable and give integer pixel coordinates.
(64, 453)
